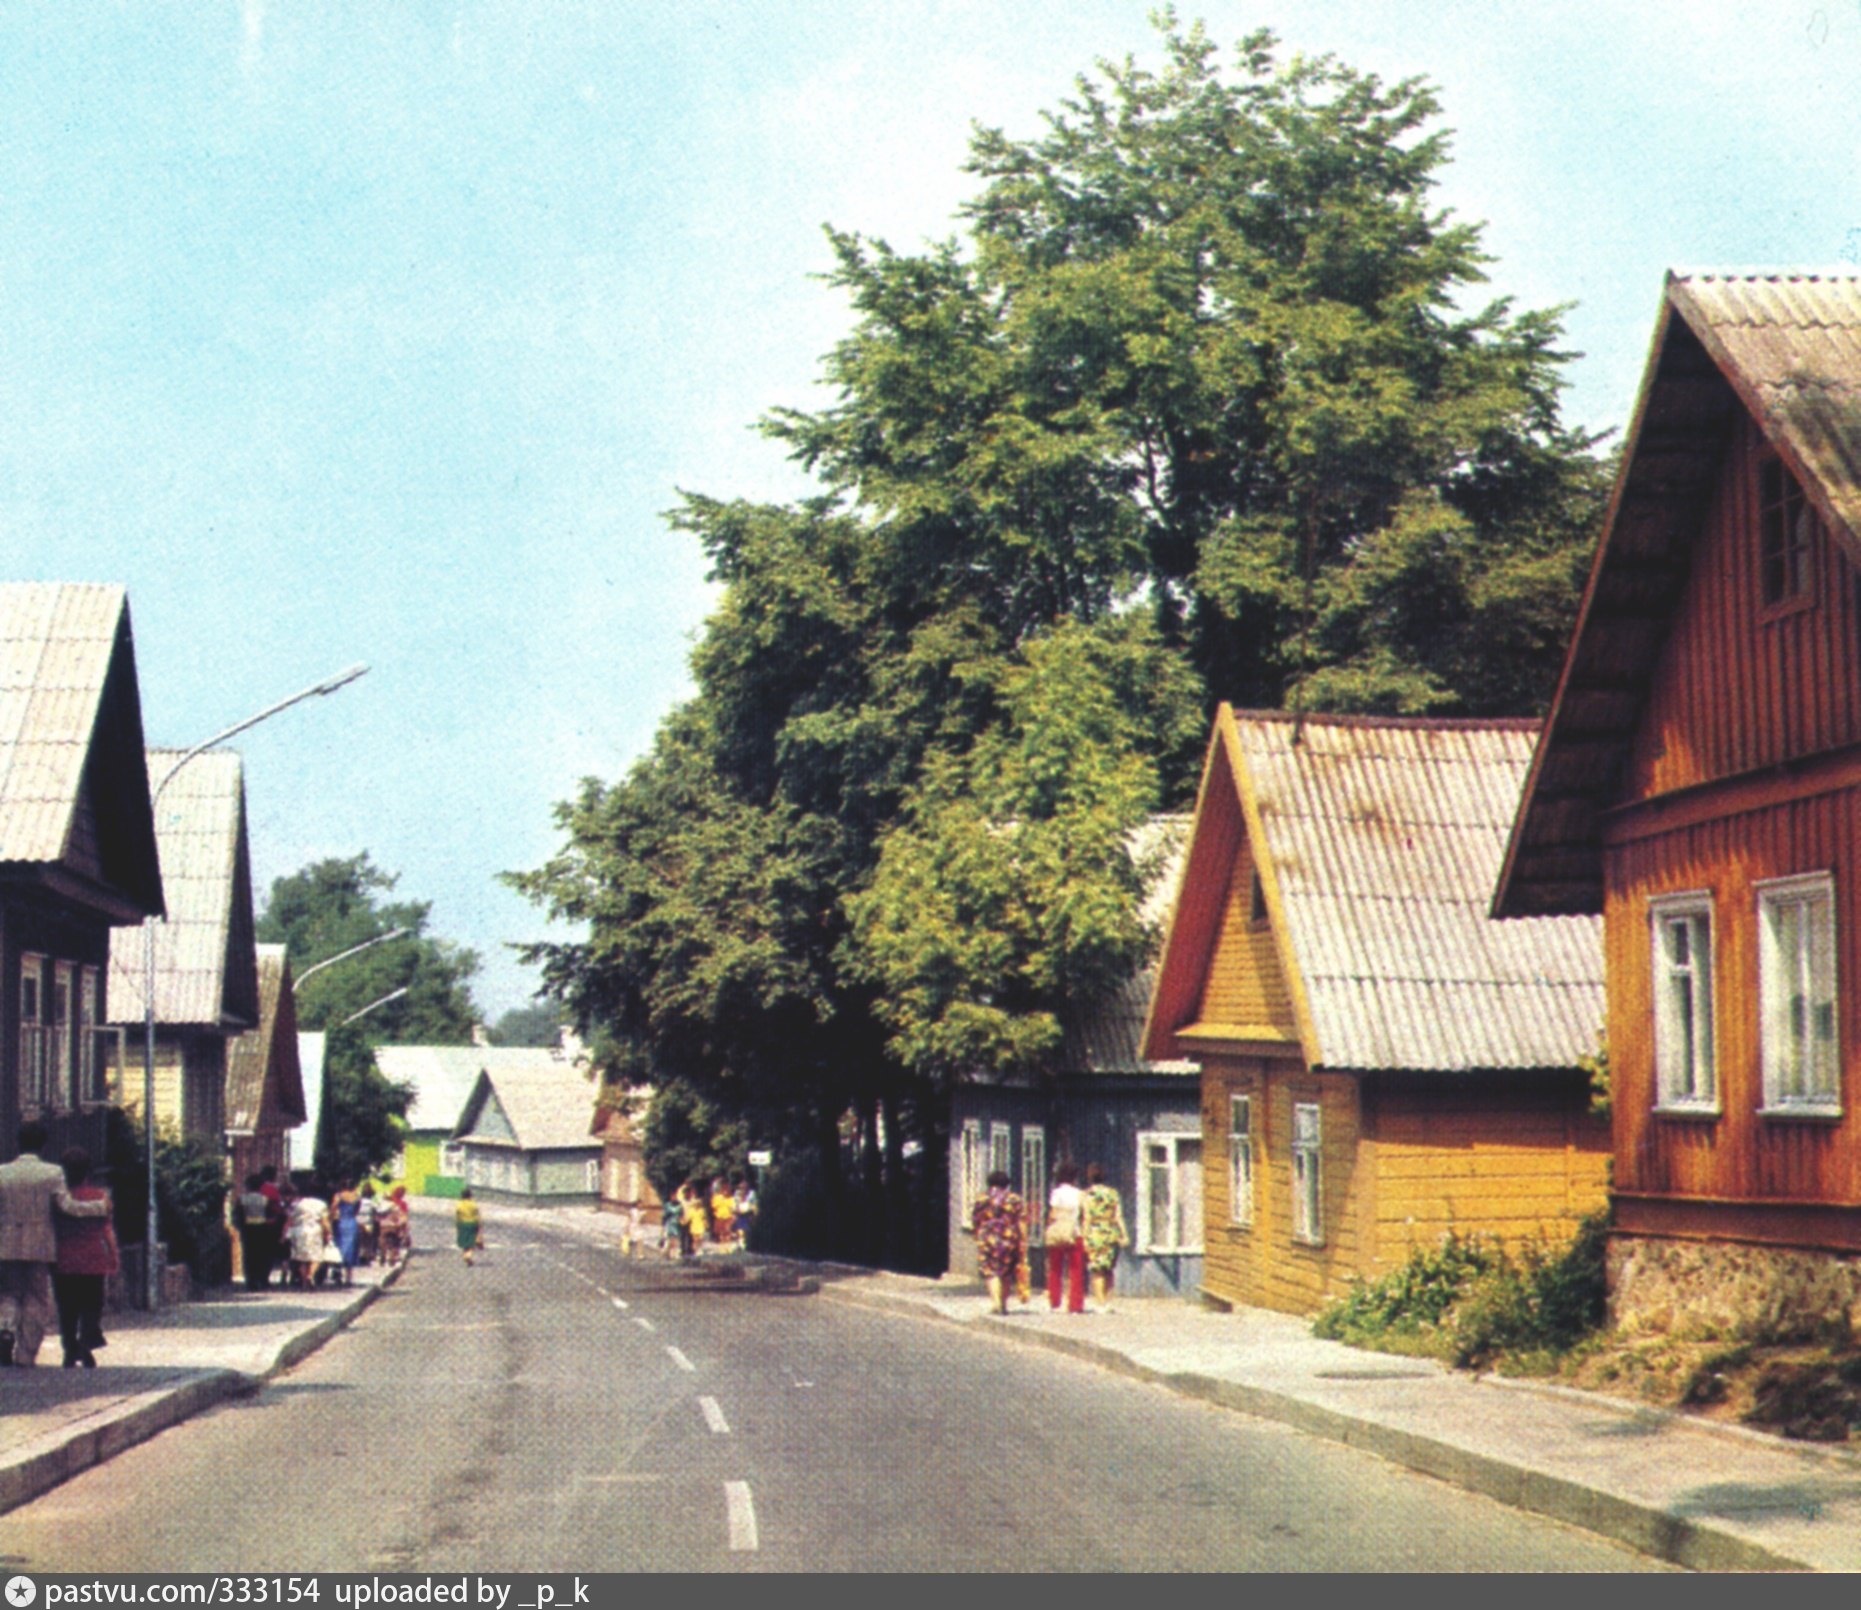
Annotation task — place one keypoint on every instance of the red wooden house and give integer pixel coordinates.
(1699, 783)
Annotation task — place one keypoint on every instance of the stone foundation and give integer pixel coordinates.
(1739, 1293)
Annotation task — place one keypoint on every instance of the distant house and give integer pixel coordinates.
(624, 1184)
(264, 1079)
(1381, 1062)
(1699, 784)
(525, 1131)
(441, 1077)
(206, 974)
(78, 855)
(1140, 1120)
(301, 1142)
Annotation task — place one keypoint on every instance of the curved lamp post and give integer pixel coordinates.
(152, 1282)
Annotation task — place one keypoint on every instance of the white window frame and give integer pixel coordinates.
(1815, 1089)
(1001, 1149)
(1034, 1180)
(1308, 1175)
(974, 1174)
(454, 1160)
(60, 1082)
(33, 1053)
(1676, 1049)
(1186, 1241)
(1241, 1158)
(90, 1086)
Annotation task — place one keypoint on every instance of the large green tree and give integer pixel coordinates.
(1203, 405)
(318, 913)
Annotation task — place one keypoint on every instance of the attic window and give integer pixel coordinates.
(1786, 534)
(1256, 902)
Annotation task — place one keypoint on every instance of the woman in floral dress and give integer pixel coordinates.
(998, 1222)
(1101, 1227)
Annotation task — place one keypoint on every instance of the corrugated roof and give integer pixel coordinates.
(548, 1099)
(205, 972)
(56, 644)
(442, 1077)
(1103, 1036)
(1787, 347)
(263, 1055)
(1384, 838)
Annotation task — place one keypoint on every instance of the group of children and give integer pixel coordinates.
(693, 1222)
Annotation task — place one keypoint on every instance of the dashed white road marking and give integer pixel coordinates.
(681, 1360)
(742, 1514)
(714, 1416)
(618, 1303)
(643, 1322)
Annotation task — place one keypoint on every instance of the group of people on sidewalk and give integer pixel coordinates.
(315, 1235)
(692, 1221)
(1083, 1232)
(57, 1247)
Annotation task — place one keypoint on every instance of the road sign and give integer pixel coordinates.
(761, 1159)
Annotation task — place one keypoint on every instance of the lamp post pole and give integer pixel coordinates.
(354, 950)
(152, 1273)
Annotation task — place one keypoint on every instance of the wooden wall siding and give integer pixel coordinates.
(1517, 1164)
(1263, 1266)
(1739, 1155)
(1738, 688)
(1245, 985)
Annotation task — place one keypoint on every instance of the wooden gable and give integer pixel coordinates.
(1676, 674)
(1225, 973)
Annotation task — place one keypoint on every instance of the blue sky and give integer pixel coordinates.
(386, 332)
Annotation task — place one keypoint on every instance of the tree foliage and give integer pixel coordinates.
(318, 913)
(1202, 405)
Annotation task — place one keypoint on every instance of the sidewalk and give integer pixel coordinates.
(158, 1370)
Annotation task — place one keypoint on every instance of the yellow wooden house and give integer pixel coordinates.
(1381, 1061)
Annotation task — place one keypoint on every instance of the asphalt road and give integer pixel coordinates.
(554, 1409)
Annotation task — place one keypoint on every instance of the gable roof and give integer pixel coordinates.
(548, 1100)
(264, 1077)
(206, 972)
(73, 781)
(1105, 1035)
(1784, 348)
(1376, 842)
(442, 1077)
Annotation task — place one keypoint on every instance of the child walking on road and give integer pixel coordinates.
(468, 1225)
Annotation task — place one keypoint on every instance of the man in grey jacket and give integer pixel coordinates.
(32, 1192)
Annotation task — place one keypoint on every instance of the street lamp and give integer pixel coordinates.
(392, 995)
(152, 1282)
(353, 950)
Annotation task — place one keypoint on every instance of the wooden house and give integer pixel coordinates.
(206, 971)
(526, 1130)
(624, 1184)
(1381, 1062)
(440, 1077)
(1699, 785)
(1102, 1103)
(264, 1078)
(78, 855)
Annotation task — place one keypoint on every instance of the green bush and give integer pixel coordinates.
(1477, 1303)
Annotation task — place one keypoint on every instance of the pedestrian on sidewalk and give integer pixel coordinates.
(468, 1225)
(309, 1233)
(32, 1193)
(87, 1253)
(397, 1237)
(998, 1221)
(258, 1243)
(1101, 1229)
(723, 1214)
(346, 1228)
(746, 1206)
(277, 1220)
(368, 1224)
(1066, 1253)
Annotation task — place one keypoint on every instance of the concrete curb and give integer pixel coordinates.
(68, 1452)
(1645, 1527)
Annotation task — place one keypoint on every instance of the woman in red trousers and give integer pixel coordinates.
(86, 1254)
(1066, 1251)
